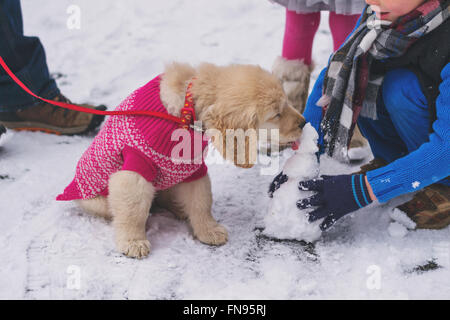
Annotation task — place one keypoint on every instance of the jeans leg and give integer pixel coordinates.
(26, 58)
(382, 136)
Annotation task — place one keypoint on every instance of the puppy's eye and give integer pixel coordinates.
(278, 115)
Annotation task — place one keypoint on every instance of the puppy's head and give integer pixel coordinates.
(247, 100)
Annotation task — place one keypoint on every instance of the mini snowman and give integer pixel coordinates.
(284, 220)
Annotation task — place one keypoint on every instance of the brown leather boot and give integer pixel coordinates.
(372, 165)
(430, 207)
(52, 119)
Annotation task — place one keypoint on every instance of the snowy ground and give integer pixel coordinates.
(47, 246)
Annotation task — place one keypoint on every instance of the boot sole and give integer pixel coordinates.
(36, 126)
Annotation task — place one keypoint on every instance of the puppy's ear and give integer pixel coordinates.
(235, 137)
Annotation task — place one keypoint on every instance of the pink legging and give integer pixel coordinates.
(302, 27)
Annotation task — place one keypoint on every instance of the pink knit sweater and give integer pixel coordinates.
(137, 143)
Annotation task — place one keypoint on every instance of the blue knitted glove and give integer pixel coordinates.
(277, 182)
(335, 197)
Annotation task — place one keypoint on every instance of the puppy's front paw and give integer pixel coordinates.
(134, 248)
(213, 234)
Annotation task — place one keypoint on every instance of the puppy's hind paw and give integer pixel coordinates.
(134, 248)
(215, 235)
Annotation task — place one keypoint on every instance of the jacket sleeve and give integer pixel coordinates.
(428, 164)
(313, 113)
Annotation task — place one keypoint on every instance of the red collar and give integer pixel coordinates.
(188, 111)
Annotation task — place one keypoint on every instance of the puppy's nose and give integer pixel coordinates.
(302, 124)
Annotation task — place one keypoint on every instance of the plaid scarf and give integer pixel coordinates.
(351, 86)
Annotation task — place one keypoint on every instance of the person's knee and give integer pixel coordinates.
(401, 91)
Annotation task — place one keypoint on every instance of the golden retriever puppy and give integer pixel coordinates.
(236, 97)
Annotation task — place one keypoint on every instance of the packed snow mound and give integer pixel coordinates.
(284, 220)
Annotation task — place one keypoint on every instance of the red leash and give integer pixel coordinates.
(186, 119)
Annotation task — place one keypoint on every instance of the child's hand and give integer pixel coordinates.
(335, 197)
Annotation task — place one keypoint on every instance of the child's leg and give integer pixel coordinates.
(341, 26)
(384, 140)
(299, 35)
(295, 66)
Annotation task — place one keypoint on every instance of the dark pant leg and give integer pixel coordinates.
(383, 139)
(26, 58)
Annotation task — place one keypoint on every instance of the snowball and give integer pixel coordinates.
(397, 230)
(284, 220)
(399, 216)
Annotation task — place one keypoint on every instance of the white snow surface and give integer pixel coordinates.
(53, 250)
(284, 220)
